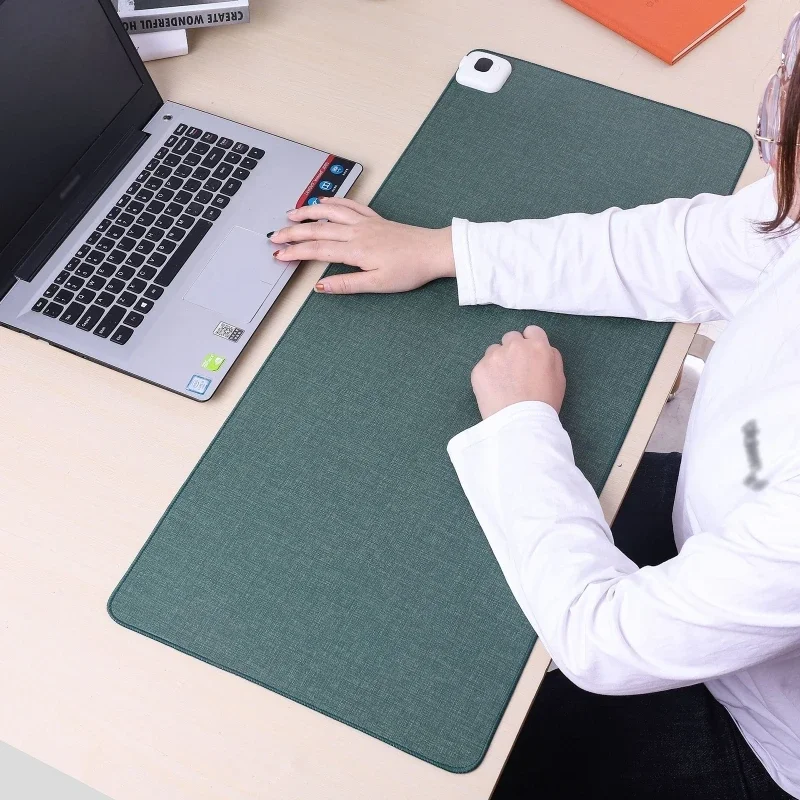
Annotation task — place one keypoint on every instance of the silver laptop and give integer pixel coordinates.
(133, 232)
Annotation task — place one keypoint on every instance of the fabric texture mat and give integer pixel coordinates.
(323, 547)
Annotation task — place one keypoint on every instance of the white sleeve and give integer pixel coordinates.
(680, 260)
(729, 600)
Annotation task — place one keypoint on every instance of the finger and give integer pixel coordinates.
(535, 333)
(349, 283)
(360, 208)
(511, 336)
(559, 360)
(327, 231)
(342, 215)
(492, 348)
(321, 251)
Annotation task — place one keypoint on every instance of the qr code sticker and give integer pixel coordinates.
(229, 332)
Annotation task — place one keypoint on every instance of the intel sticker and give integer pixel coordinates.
(198, 384)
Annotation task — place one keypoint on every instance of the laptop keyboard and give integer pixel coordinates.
(112, 282)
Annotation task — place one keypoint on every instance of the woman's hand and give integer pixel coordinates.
(393, 257)
(523, 367)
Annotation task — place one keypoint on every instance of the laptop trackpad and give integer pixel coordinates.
(238, 278)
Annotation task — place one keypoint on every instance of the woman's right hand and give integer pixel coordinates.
(392, 257)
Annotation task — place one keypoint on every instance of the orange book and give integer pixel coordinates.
(668, 29)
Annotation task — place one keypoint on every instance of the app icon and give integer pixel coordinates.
(312, 201)
(213, 362)
(326, 186)
(337, 169)
(198, 384)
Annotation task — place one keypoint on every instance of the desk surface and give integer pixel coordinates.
(91, 457)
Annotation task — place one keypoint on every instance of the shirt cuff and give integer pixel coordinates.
(465, 278)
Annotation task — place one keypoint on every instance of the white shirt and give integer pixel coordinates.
(726, 610)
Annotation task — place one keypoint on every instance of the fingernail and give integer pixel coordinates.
(291, 211)
(270, 234)
(277, 254)
(321, 287)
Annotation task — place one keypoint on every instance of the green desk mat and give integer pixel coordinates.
(323, 547)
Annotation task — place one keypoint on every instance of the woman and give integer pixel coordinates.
(710, 610)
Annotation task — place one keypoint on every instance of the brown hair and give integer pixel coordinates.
(786, 167)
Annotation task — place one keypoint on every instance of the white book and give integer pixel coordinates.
(162, 44)
(148, 16)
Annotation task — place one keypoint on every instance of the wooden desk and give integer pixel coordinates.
(90, 458)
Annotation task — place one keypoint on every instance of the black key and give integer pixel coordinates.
(104, 225)
(133, 188)
(148, 273)
(53, 310)
(137, 231)
(241, 174)
(72, 264)
(180, 130)
(125, 220)
(63, 297)
(116, 232)
(151, 165)
(183, 146)
(145, 196)
(143, 305)
(105, 299)
(174, 184)
(183, 198)
(201, 173)
(211, 213)
(173, 210)
(176, 234)
(72, 313)
(220, 201)
(85, 270)
(154, 235)
(183, 171)
(209, 138)
(155, 207)
(144, 247)
(94, 238)
(121, 335)
(233, 158)
(134, 260)
(240, 147)
(249, 163)
(193, 159)
(167, 246)
(223, 170)
(165, 222)
(82, 251)
(171, 141)
(105, 245)
(231, 187)
(185, 221)
(86, 296)
(126, 243)
(181, 255)
(106, 270)
(115, 285)
(154, 292)
(142, 176)
(154, 184)
(109, 321)
(73, 284)
(39, 304)
(165, 195)
(115, 257)
(133, 319)
(124, 273)
(50, 290)
(61, 277)
(225, 143)
(137, 286)
(201, 147)
(126, 299)
(195, 209)
(212, 185)
(172, 160)
(155, 260)
(146, 219)
(256, 153)
(213, 158)
(204, 197)
(95, 283)
(194, 133)
(114, 213)
(123, 201)
(192, 185)
(95, 257)
(91, 317)
(136, 207)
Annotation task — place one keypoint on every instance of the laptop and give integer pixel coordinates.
(133, 231)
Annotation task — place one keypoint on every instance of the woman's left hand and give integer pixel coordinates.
(524, 367)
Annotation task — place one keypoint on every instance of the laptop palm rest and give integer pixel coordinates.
(239, 276)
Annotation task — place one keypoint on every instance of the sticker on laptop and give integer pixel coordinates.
(198, 384)
(229, 332)
(326, 181)
(212, 362)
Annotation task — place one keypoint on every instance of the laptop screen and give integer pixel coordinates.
(64, 76)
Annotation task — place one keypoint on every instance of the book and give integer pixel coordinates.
(668, 29)
(146, 16)
(161, 44)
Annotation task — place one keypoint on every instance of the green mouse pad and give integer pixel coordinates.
(323, 547)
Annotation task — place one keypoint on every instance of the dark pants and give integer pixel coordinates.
(678, 744)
